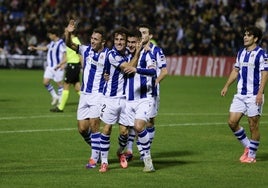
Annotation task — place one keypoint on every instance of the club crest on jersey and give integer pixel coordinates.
(102, 56)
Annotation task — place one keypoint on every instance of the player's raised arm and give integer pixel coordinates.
(131, 66)
(135, 45)
(68, 30)
(134, 61)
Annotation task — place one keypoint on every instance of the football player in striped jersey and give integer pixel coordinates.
(88, 113)
(56, 60)
(251, 72)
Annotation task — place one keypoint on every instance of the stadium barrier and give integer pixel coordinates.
(22, 61)
(177, 65)
(200, 66)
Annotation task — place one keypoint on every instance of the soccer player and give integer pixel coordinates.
(113, 107)
(72, 75)
(88, 113)
(132, 40)
(56, 60)
(139, 88)
(251, 72)
(161, 69)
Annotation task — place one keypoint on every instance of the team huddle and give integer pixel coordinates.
(119, 86)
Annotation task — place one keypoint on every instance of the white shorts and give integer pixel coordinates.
(154, 107)
(113, 111)
(56, 75)
(89, 106)
(138, 109)
(246, 105)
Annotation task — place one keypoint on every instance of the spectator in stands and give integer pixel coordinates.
(170, 18)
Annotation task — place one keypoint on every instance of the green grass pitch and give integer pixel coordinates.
(193, 146)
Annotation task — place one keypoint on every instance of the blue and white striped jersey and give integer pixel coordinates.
(250, 65)
(161, 62)
(160, 57)
(93, 69)
(55, 52)
(115, 86)
(140, 85)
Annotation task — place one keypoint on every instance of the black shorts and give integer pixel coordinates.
(72, 73)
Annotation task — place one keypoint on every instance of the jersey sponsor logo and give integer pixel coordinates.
(246, 64)
(91, 61)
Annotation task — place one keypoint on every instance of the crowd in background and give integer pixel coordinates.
(181, 27)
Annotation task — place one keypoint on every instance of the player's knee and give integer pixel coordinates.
(124, 131)
(233, 125)
(107, 129)
(83, 127)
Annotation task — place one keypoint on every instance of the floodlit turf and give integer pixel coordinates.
(193, 146)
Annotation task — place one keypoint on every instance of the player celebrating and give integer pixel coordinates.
(113, 107)
(88, 112)
(161, 69)
(140, 85)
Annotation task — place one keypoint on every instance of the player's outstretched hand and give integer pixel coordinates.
(71, 26)
(31, 48)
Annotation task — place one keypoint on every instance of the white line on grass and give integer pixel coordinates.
(71, 129)
(38, 130)
(32, 117)
(193, 114)
(163, 114)
(160, 114)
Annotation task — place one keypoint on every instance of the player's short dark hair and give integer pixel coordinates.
(102, 31)
(148, 27)
(134, 33)
(54, 30)
(121, 30)
(255, 31)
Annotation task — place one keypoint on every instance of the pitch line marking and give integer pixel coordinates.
(33, 117)
(37, 130)
(193, 114)
(163, 114)
(72, 129)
